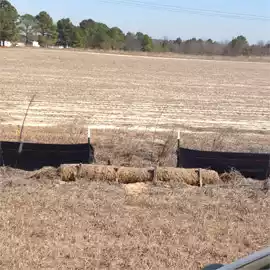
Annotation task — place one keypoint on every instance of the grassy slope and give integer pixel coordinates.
(45, 225)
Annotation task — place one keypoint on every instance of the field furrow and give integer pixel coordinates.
(125, 91)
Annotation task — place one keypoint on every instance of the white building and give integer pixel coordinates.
(35, 44)
(18, 44)
(5, 43)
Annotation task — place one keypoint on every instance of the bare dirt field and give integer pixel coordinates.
(46, 224)
(133, 91)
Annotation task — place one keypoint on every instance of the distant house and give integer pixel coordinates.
(61, 45)
(35, 44)
(5, 44)
(19, 44)
(31, 43)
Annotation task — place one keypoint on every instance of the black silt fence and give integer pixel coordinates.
(250, 165)
(33, 156)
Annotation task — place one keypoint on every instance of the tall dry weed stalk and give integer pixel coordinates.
(138, 148)
(121, 147)
(166, 149)
(25, 116)
(155, 132)
(221, 140)
(224, 140)
(76, 131)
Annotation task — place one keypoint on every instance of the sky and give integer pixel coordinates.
(162, 23)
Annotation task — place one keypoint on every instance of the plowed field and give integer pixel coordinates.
(132, 91)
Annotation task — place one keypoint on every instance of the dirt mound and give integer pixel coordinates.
(8, 171)
(135, 189)
(231, 177)
(45, 172)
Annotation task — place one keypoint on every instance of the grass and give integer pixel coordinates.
(90, 225)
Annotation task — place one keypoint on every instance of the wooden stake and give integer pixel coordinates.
(90, 159)
(155, 179)
(178, 139)
(89, 133)
(178, 149)
(200, 177)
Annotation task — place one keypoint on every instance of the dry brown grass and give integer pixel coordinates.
(81, 225)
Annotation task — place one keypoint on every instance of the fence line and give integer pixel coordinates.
(250, 165)
(32, 156)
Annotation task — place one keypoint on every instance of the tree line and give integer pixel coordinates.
(97, 35)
